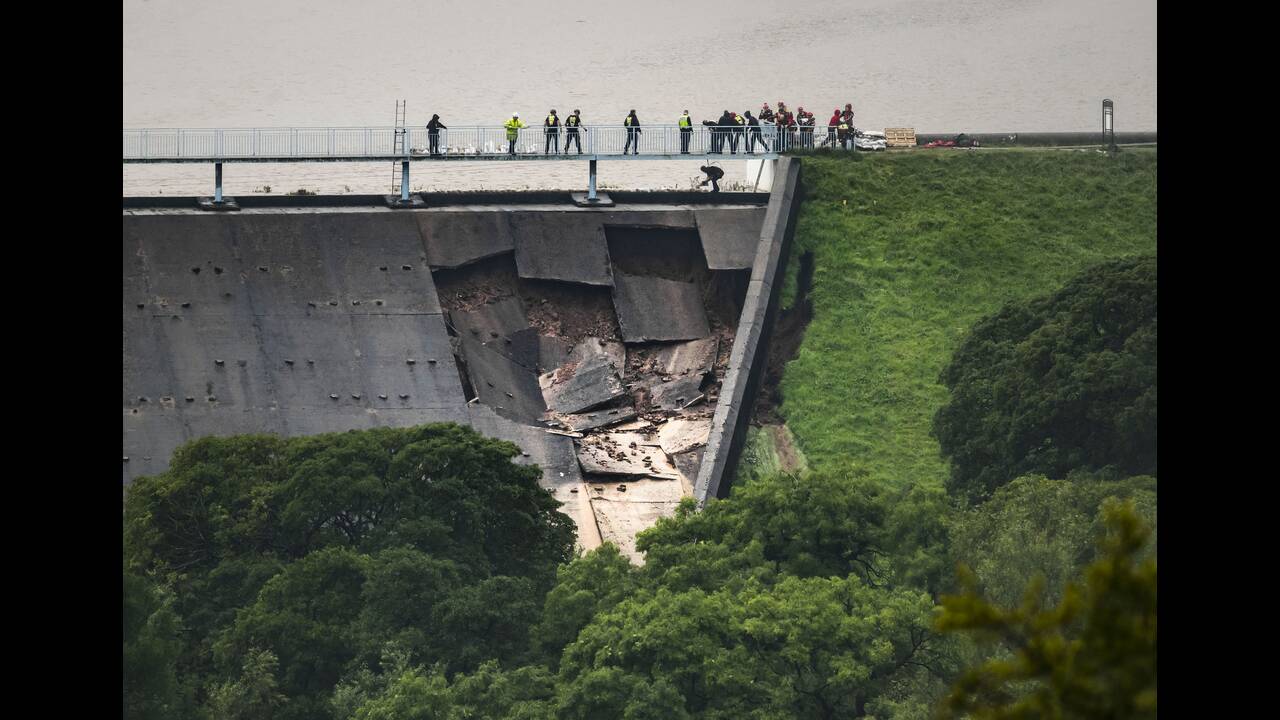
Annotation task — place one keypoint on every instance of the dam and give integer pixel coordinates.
(616, 346)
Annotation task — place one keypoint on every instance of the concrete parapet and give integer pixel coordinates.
(749, 356)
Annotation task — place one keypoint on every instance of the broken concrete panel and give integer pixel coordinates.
(511, 390)
(563, 246)
(730, 237)
(620, 518)
(694, 356)
(589, 421)
(676, 394)
(681, 434)
(495, 320)
(538, 353)
(615, 352)
(453, 239)
(688, 464)
(589, 384)
(624, 454)
(656, 309)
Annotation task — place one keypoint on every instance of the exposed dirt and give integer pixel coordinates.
(569, 310)
(787, 455)
(480, 283)
(668, 253)
(784, 345)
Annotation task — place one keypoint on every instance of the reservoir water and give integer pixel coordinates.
(935, 65)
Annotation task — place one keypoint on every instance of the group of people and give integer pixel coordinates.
(794, 130)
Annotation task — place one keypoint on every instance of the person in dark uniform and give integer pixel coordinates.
(726, 124)
(571, 125)
(433, 133)
(633, 133)
(686, 131)
(806, 121)
(753, 135)
(713, 176)
(714, 126)
(737, 132)
(552, 125)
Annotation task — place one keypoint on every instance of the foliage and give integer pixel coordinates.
(151, 645)
(319, 551)
(1061, 383)
(910, 250)
(1093, 655)
(1036, 526)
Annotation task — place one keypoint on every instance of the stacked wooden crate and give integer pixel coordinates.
(900, 137)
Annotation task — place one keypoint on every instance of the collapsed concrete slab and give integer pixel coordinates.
(676, 394)
(576, 388)
(564, 246)
(682, 434)
(620, 515)
(454, 239)
(651, 308)
(498, 319)
(624, 454)
(581, 422)
(729, 237)
(687, 464)
(539, 353)
(511, 390)
(692, 357)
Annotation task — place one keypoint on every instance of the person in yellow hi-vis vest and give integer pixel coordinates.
(633, 133)
(513, 131)
(686, 132)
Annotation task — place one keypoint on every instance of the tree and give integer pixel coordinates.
(1061, 383)
(151, 646)
(1036, 526)
(253, 695)
(1091, 656)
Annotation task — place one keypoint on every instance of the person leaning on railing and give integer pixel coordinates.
(686, 132)
(753, 135)
(513, 132)
(433, 133)
(633, 133)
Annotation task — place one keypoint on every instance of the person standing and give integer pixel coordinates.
(831, 129)
(806, 128)
(753, 135)
(724, 125)
(846, 132)
(738, 132)
(513, 132)
(632, 124)
(847, 115)
(571, 125)
(714, 132)
(552, 130)
(766, 113)
(433, 133)
(686, 131)
(780, 120)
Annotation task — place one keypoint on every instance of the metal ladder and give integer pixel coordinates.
(399, 145)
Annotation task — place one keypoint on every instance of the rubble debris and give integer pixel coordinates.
(684, 358)
(501, 317)
(613, 454)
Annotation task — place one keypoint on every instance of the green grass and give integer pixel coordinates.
(910, 250)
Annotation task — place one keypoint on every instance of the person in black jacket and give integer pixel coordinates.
(633, 133)
(727, 126)
(715, 134)
(713, 176)
(433, 133)
(552, 129)
(753, 134)
(571, 125)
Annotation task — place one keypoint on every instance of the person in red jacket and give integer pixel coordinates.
(831, 128)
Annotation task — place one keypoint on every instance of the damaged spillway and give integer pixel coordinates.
(597, 340)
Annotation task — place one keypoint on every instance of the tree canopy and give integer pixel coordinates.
(295, 561)
(1061, 383)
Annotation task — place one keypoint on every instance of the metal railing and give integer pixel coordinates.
(378, 143)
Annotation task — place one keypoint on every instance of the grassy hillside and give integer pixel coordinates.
(910, 250)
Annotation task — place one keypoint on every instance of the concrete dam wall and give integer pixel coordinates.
(595, 339)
